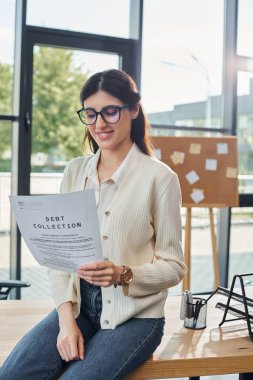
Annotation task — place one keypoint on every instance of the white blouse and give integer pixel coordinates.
(105, 190)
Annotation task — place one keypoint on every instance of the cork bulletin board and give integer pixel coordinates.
(206, 167)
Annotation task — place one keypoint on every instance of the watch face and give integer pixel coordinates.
(127, 276)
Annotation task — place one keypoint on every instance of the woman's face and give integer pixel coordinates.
(108, 136)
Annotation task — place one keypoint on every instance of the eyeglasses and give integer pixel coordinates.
(110, 114)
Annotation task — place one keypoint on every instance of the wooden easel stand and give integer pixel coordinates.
(187, 249)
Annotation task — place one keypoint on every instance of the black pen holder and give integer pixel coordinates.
(195, 314)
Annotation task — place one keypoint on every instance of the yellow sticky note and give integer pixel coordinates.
(177, 157)
(231, 172)
(195, 149)
(199, 190)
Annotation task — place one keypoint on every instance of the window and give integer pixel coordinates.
(7, 29)
(245, 130)
(245, 28)
(182, 86)
(182, 62)
(241, 250)
(109, 17)
(57, 132)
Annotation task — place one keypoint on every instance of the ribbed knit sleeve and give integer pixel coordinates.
(63, 289)
(168, 267)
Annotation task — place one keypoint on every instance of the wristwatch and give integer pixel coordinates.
(126, 276)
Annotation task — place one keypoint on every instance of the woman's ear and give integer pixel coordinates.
(135, 111)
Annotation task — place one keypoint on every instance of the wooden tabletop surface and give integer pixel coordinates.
(182, 352)
(211, 351)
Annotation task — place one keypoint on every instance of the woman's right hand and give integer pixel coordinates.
(70, 342)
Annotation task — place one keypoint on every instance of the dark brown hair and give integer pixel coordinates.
(120, 85)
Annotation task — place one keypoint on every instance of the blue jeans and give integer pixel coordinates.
(108, 354)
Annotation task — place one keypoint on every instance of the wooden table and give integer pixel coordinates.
(182, 352)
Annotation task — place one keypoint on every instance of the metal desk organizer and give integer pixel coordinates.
(242, 310)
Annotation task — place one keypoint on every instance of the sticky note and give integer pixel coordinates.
(231, 172)
(222, 148)
(195, 149)
(197, 195)
(192, 177)
(211, 164)
(177, 157)
(200, 190)
(158, 153)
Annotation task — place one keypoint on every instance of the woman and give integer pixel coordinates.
(109, 316)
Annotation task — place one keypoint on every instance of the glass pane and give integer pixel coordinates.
(182, 62)
(5, 191)
(57, 133)
(7, 29)
(241, 249)
(245, 28)
(97, 16)
(58, 76)
(245, 131)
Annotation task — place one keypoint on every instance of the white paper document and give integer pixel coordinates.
(222, 148)
(192, 177)
(62, 231)
(211, 164)
(197, 195)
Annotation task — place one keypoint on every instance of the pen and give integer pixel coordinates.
(198, 306)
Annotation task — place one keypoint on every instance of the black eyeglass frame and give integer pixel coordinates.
(119, 108)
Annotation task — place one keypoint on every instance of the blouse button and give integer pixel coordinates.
(107, 213)
(106, 322)
(105, 237)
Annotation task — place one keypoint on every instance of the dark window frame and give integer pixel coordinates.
(129, 51)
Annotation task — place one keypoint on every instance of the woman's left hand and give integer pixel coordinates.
(101, 273)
